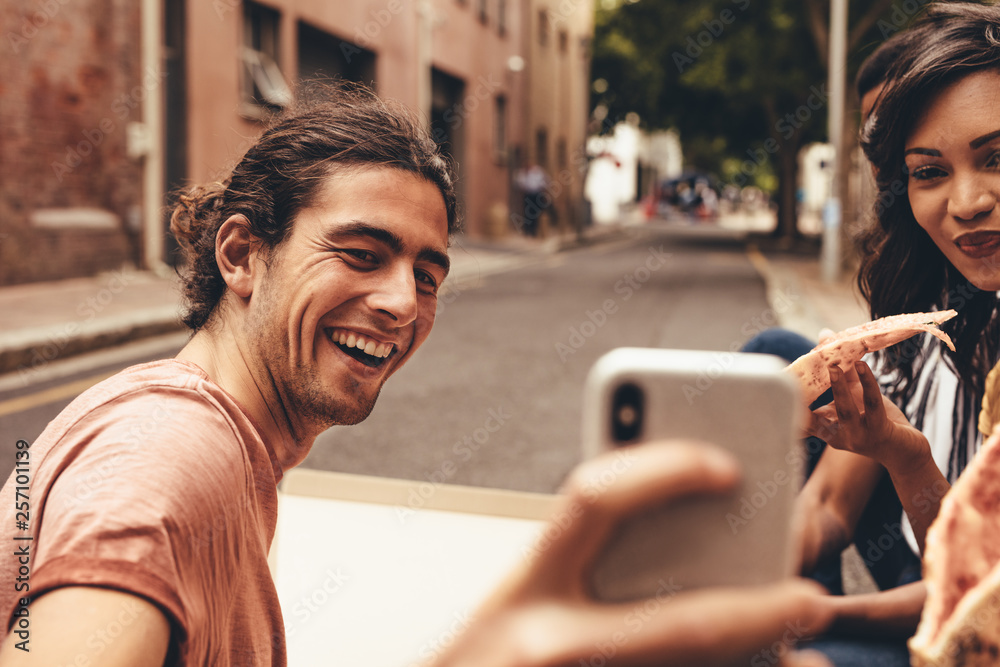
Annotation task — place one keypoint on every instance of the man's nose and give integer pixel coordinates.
(396, 294)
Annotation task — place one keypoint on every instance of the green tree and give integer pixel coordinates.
(747, 77)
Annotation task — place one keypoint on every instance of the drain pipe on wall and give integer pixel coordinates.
(154, 234)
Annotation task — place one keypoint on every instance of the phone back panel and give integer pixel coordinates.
(743, 403)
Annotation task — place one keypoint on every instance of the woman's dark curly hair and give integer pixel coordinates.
(344, 126)
(902, 270)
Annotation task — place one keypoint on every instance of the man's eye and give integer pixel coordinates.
(365, 256)
(427, 279)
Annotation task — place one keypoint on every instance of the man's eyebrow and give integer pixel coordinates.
(435, 257)
(976, 143)
(358, 229)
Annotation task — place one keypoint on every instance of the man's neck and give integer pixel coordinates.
(224, 360)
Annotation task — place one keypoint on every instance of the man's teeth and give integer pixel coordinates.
(369, 347)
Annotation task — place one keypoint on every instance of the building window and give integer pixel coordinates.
(542, 147)
(484, 15)
(563, 41)
(323, 56)
(500, 129)
(543, 27)
(502, 17)
(264, 87)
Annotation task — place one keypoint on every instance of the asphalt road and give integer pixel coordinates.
(493, 397)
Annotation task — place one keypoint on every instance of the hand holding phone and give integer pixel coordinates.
(536, 615)
(743, 403)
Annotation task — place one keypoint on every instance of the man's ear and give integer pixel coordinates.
(236, 252)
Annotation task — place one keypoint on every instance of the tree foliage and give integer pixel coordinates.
(743, 81)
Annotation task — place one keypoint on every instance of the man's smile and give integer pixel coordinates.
(366, 349)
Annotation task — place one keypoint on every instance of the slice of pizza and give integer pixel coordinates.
(850, 345)
(989, 416)
(960, 624)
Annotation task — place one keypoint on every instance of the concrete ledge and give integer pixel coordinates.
(28, 349)
(74, 218)
(414, 494)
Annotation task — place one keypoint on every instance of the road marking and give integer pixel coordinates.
(51, 395)
(760, 263)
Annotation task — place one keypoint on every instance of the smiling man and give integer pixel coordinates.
(312, 277)
(322, 320)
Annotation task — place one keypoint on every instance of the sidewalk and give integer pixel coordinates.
(798, 297)
(801, 300)
(55, 320)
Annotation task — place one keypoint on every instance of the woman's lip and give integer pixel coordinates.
(979, 244)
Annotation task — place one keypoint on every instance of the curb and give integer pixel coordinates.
(31, 349)
(785, 296)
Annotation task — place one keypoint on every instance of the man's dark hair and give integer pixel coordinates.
(902, 270)
(345, 126)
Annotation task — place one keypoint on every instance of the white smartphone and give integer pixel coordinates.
(743, 403)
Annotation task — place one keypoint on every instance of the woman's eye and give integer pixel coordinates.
(926, 173)
(994, 161)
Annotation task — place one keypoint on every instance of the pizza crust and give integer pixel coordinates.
(989, 416)
(845, 348)
(960, 624)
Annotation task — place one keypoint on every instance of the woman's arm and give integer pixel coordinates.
(863, 421)
(892, 613)
(831, 504)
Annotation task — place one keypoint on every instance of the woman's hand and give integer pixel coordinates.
(543, 615)
(863, 421)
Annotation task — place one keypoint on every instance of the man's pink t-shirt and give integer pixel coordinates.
(154, 482)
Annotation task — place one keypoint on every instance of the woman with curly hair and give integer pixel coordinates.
(934, 141)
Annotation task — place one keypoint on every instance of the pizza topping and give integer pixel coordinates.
(850, 345)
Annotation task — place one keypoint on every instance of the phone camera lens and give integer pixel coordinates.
(626, 413)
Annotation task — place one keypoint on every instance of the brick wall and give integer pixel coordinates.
(72, 82)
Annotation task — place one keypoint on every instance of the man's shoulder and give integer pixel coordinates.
(154, 387)
(163, 374)
(159, 409)
(151, 428)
